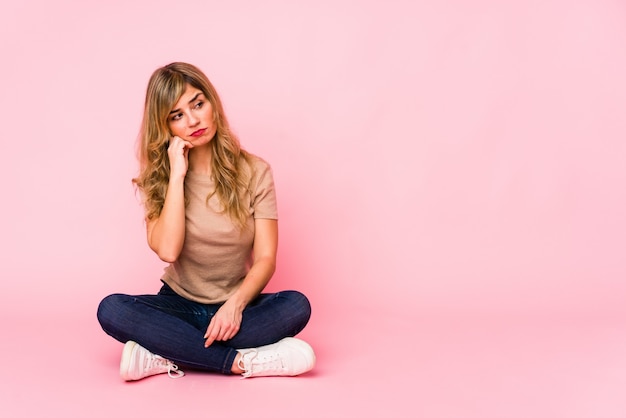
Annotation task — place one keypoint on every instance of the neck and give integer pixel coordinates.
(200, 160)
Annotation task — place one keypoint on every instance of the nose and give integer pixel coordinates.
(193, 119)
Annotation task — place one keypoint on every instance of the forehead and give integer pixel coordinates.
(188, 95)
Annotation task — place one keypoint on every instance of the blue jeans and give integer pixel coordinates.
(173, 327)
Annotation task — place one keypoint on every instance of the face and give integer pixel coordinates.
(192, 118)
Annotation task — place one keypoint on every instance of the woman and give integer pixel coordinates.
(211, 214)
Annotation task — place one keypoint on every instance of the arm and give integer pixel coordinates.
(166, 233)
(227, 320)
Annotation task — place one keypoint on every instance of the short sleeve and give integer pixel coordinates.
(263, 192)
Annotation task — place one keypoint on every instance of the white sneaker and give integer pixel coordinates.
(287, 357)
(137, 363)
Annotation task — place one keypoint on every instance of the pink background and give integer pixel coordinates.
(451, 191)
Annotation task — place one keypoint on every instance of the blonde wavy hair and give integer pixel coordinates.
(229, 162)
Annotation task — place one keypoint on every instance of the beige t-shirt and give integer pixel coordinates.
(216, 255)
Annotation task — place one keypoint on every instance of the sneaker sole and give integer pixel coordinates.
(127, 355)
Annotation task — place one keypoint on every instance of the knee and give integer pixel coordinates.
(300, 305)
(109, 308)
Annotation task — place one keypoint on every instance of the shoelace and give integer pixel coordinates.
(268, 362)
(160, 362)
(171, 367)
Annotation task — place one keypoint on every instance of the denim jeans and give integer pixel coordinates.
(171, 326)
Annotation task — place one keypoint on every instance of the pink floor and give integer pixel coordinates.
(459, 365)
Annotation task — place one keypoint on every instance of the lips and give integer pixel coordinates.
(198, 133)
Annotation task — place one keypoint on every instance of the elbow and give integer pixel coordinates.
(167, 255)
(168, 258)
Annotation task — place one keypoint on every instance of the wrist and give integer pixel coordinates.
(176, 179)
(238, 301)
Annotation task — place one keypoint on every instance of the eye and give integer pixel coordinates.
(199, 104)
(177, 116)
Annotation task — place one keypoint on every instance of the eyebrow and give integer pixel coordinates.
(193, 99)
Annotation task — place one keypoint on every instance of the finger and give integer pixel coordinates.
(175, 147)
(211, 336)
(179, 143)
(208, 330)
(223, 334)
(209, 340)
(231, 333)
